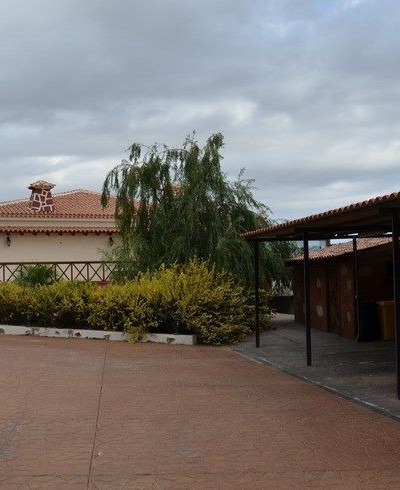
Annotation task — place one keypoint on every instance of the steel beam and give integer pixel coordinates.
(355, 289)
(257, 289)
(396, 291)
(307, 297)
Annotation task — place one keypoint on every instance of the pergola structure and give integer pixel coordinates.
(375, 217)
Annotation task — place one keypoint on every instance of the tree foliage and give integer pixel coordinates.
(176, 204)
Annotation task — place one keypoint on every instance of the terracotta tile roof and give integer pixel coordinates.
(341, 249)
(78, 203)
(59, 229)
(369, 203)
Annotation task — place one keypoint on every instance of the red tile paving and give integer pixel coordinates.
(94, 414)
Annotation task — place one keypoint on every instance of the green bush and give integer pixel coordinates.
(15, 303)
(35, 275)
(120, 307)
(195, 299)
(190, 299)
(212, 305)
(64, 304)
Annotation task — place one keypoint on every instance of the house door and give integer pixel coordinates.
(334, 299)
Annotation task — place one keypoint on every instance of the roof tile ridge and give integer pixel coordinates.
(14, 201)
(343, 248)
(56, 214)
(330, 212)
(75, 191)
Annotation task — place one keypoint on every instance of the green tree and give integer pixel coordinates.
(175, 204)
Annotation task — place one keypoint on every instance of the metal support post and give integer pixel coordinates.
(307, 297)
(396, 293)
(355, 289)
(257, 289)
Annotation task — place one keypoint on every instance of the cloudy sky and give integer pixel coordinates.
(306, 92)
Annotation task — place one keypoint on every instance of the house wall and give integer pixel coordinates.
(318, 294)
(298, 291)
(375, 272)
(318, 288)
(331, 297)
(346, 298)
(332, 289)
(54, 247)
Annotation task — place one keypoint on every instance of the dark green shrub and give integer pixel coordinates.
(35, 275)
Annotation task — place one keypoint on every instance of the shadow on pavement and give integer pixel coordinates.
(363, 372)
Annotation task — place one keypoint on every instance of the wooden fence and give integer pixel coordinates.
(71, 271)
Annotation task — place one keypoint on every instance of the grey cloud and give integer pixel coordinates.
(305, 91)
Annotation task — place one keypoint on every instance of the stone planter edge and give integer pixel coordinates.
(160, 338)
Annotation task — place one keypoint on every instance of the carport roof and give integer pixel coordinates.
(370, 218)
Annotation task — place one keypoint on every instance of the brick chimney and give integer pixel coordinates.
(41, 200)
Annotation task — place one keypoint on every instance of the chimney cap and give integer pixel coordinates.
(42, 185)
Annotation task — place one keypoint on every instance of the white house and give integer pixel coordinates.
(70, 227)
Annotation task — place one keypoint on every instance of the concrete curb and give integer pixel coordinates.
(160, 338)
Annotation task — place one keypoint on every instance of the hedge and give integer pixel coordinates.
(190, 299)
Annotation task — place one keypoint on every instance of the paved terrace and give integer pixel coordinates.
(94, 414)
(363, 372)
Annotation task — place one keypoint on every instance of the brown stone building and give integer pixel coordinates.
(340, 293)
(332, 285)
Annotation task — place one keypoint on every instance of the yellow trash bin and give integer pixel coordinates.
(386, 319)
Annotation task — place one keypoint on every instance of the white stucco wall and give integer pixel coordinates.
(53, 247)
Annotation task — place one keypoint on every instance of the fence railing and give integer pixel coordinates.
(72, 271)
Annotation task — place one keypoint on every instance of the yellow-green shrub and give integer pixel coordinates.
(159, 291)
(15, 302)
(193, 299)
(120, 307)
(196, 299)
(64, 304)
(211, 304)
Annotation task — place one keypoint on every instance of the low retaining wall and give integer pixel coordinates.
(160, 338)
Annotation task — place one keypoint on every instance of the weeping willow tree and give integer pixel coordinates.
(176, 204)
